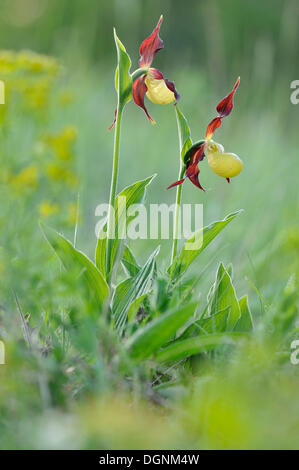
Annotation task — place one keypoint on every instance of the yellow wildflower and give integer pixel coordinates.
(57, 172)
(46, 209)
(62, 142)
(26, 178)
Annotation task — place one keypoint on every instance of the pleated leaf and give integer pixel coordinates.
(148, 340)
(77, 262)
(198, 242)
(130, 290)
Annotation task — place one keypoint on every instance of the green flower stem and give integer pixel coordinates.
(178, 198)
(177, 213)
(110, 228)
(138, 73)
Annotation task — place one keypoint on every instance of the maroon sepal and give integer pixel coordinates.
(139, 90)
(196, 155)
(224, 108)
(176, 183)
(192, 173)
(212, 126)
(228, 180)
(151, 46)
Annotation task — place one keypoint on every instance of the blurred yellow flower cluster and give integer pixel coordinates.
(25, 178)
(29, 74)
(61, 146)
(12, 61)
(62, 143)
(47, 208)
(57, 152)
(44, 168)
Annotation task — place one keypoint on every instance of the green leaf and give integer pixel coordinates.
(184, 132)
(245, 322)
(147, 340)
(195, 345)
(131, 289)
(200, 239)
(224, 296)
(214, 323)
(74, 260)
(101, 250)
(129, 262)
(123, 79)
(207, 325)
(131, 195)
(134, 307)
(120, 293)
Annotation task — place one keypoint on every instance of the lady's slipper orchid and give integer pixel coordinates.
(158, 89)
(223, 164)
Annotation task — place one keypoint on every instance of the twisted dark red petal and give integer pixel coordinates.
(176, 183)
(139, 90)
(114, 120)
(214, 124)
(151, 46)
(170, 85)
(192, 173)
(224, 108)
(197, 154)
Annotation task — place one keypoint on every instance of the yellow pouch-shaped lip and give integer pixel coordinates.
(225, 164)
(157, 91)
(222, 163)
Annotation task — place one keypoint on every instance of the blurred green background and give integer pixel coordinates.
(62, 116)
(207, 45)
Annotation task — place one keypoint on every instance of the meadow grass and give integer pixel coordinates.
(62, 386)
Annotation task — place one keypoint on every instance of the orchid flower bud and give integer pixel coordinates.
(222, 163)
